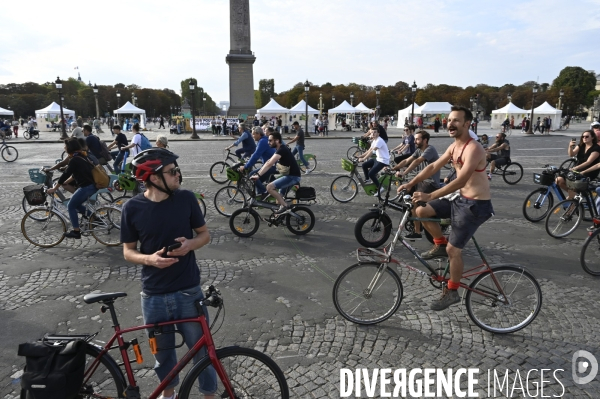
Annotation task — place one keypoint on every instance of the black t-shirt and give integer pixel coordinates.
(583, 155)
(287, 159)
(81, 170)
(156, 225)
(93, 144)
(382, 133)
(121, 140)
(300, 134)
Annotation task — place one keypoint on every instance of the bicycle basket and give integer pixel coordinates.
(306, 194)
(355, 140)
(232, 174)
(543, 179)
(34, 194)
(126, 182)
(347, 165)
(36, 176)
(577, 182)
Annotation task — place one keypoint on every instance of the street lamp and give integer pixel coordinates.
(561, 93)
(192, 85)
(63, 135)
(321, 104)
(95, 89)
(306, 89)
(352, 98)
(535, 89)
(476, 112)
(204, 105)
(118, 99)
(405, 99)
(333, 101)
(509, 98)
(377, 91)
(412, 112)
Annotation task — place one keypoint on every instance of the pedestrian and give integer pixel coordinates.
(162, 122)
(436, 125)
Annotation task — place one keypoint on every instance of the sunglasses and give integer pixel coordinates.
(585, 137)
(172, 172)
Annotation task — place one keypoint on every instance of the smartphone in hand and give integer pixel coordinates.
(170, 248)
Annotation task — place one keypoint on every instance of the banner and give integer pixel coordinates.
(204, 123)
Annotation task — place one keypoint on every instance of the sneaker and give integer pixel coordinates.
(448, 298)
(307, 171)
(438, 251)
(175, 396)
(368, 181)
(74, 234)
(381, 190)
(489, 176)
(282, 210)
(592, 228)
(413, 236)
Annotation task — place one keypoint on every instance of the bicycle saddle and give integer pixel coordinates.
(101, 297)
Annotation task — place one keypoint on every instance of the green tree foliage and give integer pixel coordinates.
(579, 82)
(257, 99)
(266, 87)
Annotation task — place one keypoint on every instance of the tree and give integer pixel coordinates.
(257, 100)
(580, 81)
(266, 88)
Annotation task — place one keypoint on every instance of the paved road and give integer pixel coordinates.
(278, 287)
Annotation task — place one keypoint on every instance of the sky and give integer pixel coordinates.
(157, 44)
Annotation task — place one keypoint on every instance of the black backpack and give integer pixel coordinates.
(53, 372)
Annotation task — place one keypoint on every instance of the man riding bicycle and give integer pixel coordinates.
(248, 144)
(299, 140)
(264, 152)
(468, 211)
(502, 149)
(286, 165)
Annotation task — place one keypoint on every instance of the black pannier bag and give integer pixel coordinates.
(306, 194)
(53, 372)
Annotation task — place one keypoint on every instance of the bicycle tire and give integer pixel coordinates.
(107, 381)
(228, 199)
(244, 222)
(526, 288)
(590, 254)
(344, 189)
(46, 230)
(202, 205)
(300, 226)
(537, 204)
(373, 229)
(218, 172)
(512, 173)
(356, 305)
(26, 135)
(312, 164)
(120, 201)
(559, 220)
(251, 373)
(568, 164)
(393, 189)
(9, 153)
(105, 226)
(350, 154)
(26, 208)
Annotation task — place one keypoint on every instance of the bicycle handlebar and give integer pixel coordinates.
(213, 297)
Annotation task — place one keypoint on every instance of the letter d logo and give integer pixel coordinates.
(583, 366)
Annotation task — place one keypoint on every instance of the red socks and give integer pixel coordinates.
(452, 285)
(440, 241)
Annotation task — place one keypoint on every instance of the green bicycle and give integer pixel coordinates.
(345, 188)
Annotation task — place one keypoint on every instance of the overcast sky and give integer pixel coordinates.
(156, 43)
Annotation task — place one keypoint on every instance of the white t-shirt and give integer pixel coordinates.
(473, 135)
(382, 151)
(133, 151)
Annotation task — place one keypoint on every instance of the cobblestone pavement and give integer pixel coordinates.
(277, 287)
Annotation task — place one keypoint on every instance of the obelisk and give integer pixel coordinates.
(240, 60)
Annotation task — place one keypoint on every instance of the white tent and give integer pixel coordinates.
(431, 108)
(500, 115)
(300, 108)
(129, 108)
(343, 108)
(363, 109)
(405, 113)
(51, 112)
(6, 111)
(273, 108)
(547, 111)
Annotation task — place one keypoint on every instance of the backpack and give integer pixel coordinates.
(53, 372)
(145, 143)
(104, 152)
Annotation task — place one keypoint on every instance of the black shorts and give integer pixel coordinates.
(466, 216)
(499, 161)
(426, 187)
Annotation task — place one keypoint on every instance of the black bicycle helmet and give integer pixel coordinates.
(151, 161)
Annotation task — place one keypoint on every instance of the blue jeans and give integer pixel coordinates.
(371, 168)
(76, 201)
(285, 182)
(244, 152)
(172, 306)
(300, 150)
(118, 157)
(260, 187)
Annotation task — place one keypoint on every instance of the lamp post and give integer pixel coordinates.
(95, 89)
(476, 112)
(201, 96)
(509, 98)
(412, 111)
(63, 134)
(405, 99)
(133, 97)
(306, 89)
(332, 101)
(193, 92)
(377, 91)
(534, 90)
(561, 93)
(321, 104)
(352, 99)
(118, 99)
(204, 105)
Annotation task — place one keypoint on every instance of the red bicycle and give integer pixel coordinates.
(241, 372)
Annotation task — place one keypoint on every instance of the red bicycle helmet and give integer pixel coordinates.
(149, 162)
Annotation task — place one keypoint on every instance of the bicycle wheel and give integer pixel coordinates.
(252, 374)
(393, 189)
(228, 199)
(26, 207)
(218, 172)
(373, 229)
(10, 153)
(312, 164)
(26, 135)
(120, 201)
(105, 226)
(201, 204)
(244, 222)
(590, 254)
(564, 218)
(43, 227)
(354, 152)
(537, 204)
(344, 189)
(62, 190)
(106, 381)
(358, 303)
(521, 290)
(568, 164)
(513, 173)
(303, 225)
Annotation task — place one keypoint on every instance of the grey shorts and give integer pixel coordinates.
(499, 161)
(466, 216)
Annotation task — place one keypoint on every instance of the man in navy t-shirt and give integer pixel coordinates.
(162, 216)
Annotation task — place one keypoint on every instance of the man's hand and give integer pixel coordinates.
(158, 261)
(254, 177)
(421, 197)
(406, 187)
(185, 247)
(241, 168)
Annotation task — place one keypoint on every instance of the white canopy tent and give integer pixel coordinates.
(363, 109)
(405, 114)
(434, 108)
(510, 109)
(547, 111)
(129, 108)
(6, 111)
(343, 108)
(51, 112)
(300, 108)
(273, 108)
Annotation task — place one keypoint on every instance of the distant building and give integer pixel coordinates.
(224, 106)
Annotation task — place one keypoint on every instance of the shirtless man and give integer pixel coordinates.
(468, 211)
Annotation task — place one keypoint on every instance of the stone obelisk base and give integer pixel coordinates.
(241, 84)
